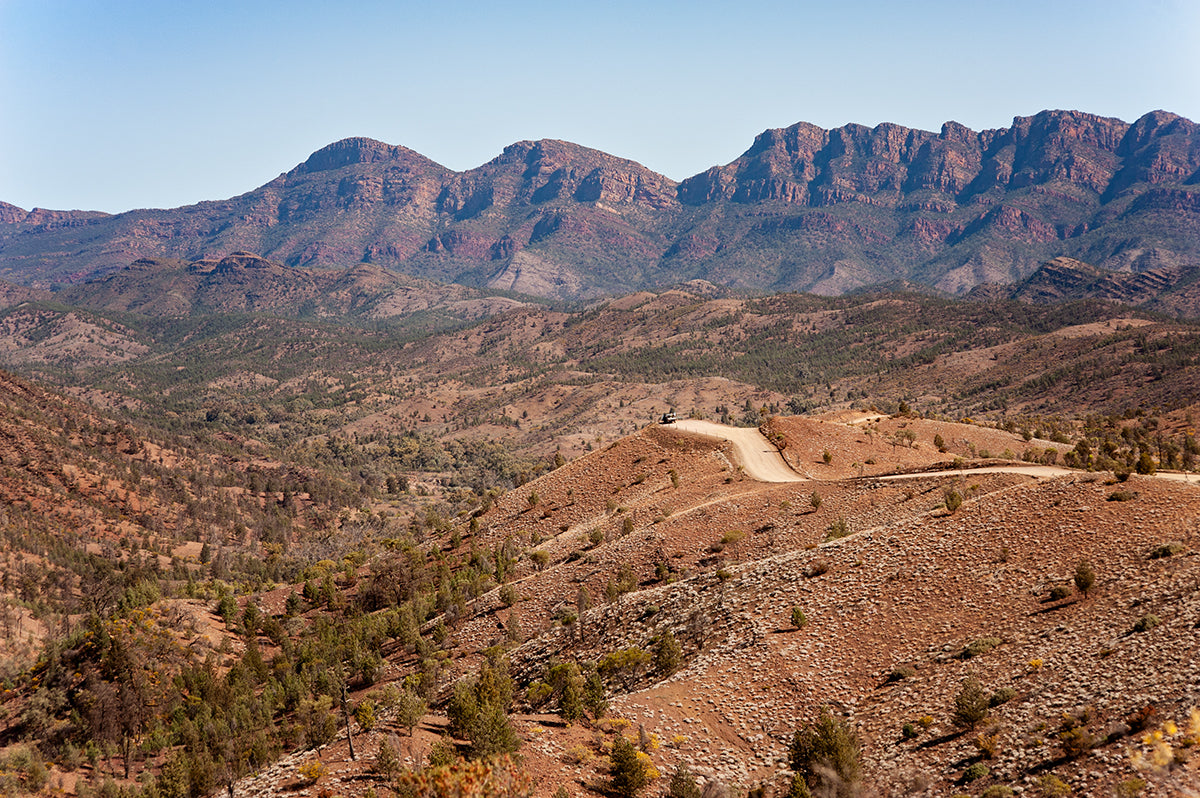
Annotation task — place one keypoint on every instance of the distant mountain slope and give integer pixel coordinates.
(1172, 290)
(804, 208)
(245, 283)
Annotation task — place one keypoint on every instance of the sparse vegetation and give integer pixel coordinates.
(975, 772)
(799, 619)
(1167, 550)
(1146, 623)
(825, 754)
(399, 550)
(840, 528)
(627, 771)
(979, 647)
(970, 704)
(1085, 577)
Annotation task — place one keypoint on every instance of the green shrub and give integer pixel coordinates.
(387, 761)
(975, 772)
(838, 529)
(1059, 592)
(1130, 788)
(668, 654)
(733, 536)
(1002, 696)
(443, 752)
(1053, 787)
(1122, 496)
(901, 673)
(953, 500)
(1146, 623)
(1167, 550)
(979, 647)
(970, 704)
(683, 784)
(318, 720)
(1085, 577)
(997, 791)
(364, 713)
(1076, 742)
(410, 709)
(826, 754)
(909, 732)
(627, 770)
(799, 619)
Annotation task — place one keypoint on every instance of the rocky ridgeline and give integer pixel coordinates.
(802, 209)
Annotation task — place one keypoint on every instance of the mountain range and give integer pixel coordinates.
(825, 211)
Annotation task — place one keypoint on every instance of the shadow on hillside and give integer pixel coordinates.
(933, 742)
(1054, 608)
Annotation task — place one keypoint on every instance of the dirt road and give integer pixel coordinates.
(758, 457)
(761, 460)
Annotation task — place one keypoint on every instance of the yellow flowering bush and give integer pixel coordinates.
(1166, 747)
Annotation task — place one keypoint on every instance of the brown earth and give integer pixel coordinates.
(911, 586)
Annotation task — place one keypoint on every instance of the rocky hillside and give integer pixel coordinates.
(1173, 290)
(803, 209)
(245, 283)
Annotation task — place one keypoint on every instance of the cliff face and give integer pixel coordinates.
(804, 208)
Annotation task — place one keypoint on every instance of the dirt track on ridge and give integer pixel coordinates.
(758, 457)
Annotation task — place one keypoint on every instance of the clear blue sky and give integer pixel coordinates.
(129, 103)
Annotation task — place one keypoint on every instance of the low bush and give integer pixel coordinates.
(1076, 742)
(1001, 696)
(838, 529)
(826, 755)
(799, 619)
(1146, 623)
(975, 772)
(988, 745)
(970, 704)
(979, 647)
(1167, 550)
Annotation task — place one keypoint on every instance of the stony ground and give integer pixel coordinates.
(891, 609)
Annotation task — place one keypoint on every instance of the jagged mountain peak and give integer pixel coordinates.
(803, 208)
